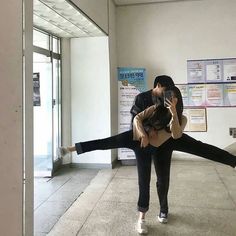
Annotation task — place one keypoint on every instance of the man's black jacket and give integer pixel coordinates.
(141, 102)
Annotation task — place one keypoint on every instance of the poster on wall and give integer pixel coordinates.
(229, 68)
(184, 91)
(195, 71)
(36, 89)
(197, 95)
(230, 94)
(196, 119)
(214, 71)
(131, 81)
(214, 95)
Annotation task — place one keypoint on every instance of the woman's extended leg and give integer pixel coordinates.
(193, 146)
(122, 140)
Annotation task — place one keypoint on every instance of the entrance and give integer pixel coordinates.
(46, 82)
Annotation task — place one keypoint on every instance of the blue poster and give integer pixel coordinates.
(133, 77)
(131, 81)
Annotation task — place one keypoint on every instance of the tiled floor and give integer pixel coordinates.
(53, 196)
(202, 201)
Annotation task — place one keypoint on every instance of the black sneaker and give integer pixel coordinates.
(163, 217)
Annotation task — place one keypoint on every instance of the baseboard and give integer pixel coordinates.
(128, 162)
(93, 165)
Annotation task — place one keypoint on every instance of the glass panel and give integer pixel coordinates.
(42, 68)
(56, 106)
(40, 39)
(55, 44)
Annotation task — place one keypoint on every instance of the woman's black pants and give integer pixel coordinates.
(161, 157)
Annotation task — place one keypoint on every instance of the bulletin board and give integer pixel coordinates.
(210, 83)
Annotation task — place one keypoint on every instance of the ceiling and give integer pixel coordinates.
(63, 19)
(133, 2)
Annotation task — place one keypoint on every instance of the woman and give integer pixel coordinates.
(160, 120)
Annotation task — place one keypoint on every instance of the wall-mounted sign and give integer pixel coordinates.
(131, 81)
(36, 89)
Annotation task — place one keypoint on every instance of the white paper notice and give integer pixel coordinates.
(230, 94)
(213, 72)
(214, 95)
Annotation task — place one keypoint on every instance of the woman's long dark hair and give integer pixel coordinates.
(179, 105)
(161, 116)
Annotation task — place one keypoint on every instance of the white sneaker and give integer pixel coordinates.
(163, 218)
(62, 151)
(142, 227)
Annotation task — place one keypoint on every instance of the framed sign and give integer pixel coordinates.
(196, 119)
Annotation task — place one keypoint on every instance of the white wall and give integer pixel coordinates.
(161, 37)
(97, 10)
(11, 123)
(90, 95)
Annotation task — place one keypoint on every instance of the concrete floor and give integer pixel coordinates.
(202, 201)
(54, 196)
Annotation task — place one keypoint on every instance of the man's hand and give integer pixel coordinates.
(144, 141)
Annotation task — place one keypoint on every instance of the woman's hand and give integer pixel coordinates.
(171, 105)
(144, 141)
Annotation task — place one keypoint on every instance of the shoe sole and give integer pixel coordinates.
(142, 232)
(162, 220)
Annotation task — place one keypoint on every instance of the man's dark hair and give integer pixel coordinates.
(164, 81)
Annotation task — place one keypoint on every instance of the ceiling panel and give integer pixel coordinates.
(62, 19)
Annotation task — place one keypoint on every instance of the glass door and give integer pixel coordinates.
(43, 137)
(47, 122)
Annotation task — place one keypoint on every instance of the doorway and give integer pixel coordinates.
(46, 97)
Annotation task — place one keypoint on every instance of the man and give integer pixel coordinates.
(161, 163)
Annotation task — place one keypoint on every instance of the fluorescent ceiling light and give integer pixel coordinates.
(64, 20)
